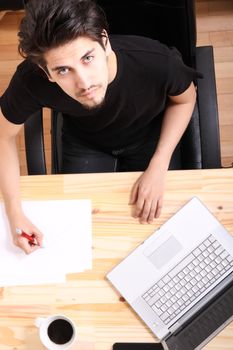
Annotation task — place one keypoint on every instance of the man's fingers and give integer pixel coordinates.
(39, 238)
(133, 194)
(147, 200)
(145, 212)
(150, 211)
(30, 248)
(159, 208)
(25, 245)
(139, 207)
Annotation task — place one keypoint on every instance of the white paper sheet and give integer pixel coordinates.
(66, 225)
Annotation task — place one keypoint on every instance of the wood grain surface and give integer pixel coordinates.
(102, 317)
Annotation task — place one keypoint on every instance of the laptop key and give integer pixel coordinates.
(189, 279)
(181, 266)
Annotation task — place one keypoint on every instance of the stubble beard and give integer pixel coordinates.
(95, 105)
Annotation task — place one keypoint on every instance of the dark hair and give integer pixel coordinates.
(50, 23)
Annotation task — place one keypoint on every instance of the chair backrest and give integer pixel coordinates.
(172, 22)
(11, 5)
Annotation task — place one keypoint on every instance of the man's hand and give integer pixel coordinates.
(147, 194)
(10, 186)
(25, 225)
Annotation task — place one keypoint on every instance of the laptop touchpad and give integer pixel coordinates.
(162, 254)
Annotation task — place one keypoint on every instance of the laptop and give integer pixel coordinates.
(180, 279)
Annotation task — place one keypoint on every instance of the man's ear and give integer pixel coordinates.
(106, 42)
(45, 70)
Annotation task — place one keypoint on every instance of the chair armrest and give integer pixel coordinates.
(2, 14)
(208, 108)
(56, 141)
(34, 144)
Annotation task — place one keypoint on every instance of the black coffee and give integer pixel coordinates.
(60, 331)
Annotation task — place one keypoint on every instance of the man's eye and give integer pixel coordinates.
(63, 71)
(88, 59)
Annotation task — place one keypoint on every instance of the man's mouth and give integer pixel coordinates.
(89, 93)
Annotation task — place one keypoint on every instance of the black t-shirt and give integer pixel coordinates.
(147, 72)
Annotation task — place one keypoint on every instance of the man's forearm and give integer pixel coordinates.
(175, 122)
(10, 175)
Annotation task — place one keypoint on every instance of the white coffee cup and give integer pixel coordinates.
(57, 332)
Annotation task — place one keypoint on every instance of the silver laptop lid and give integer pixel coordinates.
(136, 275)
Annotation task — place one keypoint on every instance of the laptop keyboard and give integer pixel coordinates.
(190, 278)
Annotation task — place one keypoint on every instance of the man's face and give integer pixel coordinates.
(82, 69)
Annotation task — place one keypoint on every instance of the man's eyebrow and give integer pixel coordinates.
(88, 53)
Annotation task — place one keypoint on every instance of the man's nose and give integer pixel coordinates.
(82, 81)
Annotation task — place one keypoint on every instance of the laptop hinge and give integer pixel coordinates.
(201, 304)
(206, 323)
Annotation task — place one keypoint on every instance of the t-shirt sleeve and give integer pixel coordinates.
(17, 103)
(179, 75)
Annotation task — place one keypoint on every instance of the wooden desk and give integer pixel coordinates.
(101, 316)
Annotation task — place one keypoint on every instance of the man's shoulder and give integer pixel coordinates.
(140, 44)
(27, 71)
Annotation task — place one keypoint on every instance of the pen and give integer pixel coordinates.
(31, 239)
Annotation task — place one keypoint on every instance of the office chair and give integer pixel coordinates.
(172, 22)
(11, 5)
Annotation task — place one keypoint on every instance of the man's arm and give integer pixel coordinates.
(147, 192)
(10, 184)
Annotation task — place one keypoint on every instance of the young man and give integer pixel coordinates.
(113, 93)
